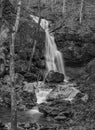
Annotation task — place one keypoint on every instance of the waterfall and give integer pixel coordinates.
(54, 58)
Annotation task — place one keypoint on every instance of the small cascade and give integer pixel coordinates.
(54, 59)
(33, 111)
(42, 95)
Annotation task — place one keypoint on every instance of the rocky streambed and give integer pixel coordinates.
(56, 113)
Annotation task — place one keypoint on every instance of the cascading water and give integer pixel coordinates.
(54, 59)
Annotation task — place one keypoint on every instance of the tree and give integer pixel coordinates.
(34, 41)
(12, 72)
(52, 5)
(64, 6)
(28, 4)
(81, 11)
(0, 9)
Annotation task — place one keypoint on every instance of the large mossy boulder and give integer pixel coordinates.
(54, 77)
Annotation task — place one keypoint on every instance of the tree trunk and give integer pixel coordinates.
(81, 11)
(0, 9)
(32, 54)
(35, 41)
(39, 9)
(52, 9)
(64, 6)
(28, 4)
(12, 72)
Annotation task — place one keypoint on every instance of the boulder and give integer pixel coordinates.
(5, 96)
(55, 108)
(90, 67)
(30, 77)
(2, 126)
(54, 77)
(26, 96)
(63, 92)
(28, 126)
(2, 67)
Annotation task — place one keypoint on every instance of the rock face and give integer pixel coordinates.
(54, 77)
(75, 48)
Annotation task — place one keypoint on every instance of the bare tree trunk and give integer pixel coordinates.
(55, 1)
(81, 11)
(39, 9)
(52, 9)
(12, 72)
(0, 9)
(32, 54)
(35, 41)
(28, 4)
(64, 6)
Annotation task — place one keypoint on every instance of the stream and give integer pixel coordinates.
(24, 116)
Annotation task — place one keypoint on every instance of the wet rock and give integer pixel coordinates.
(64, 116)
(54, 109)
(61, 102)
(30, 77)
(28, 99)
(54, 77)
(42, 94)
(5, 98)
(90, 68)
(59, 118)
(63, 92)
(28, 126)
(23, 126)
(2, 126)
(85, 98)
(2, 67)
(77, 128)
(90, 47)
(40, 63)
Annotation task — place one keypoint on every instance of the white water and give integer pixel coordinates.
(33, 111)
(42, 95)
(54, 59)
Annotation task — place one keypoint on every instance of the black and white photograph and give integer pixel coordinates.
(47, 64)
